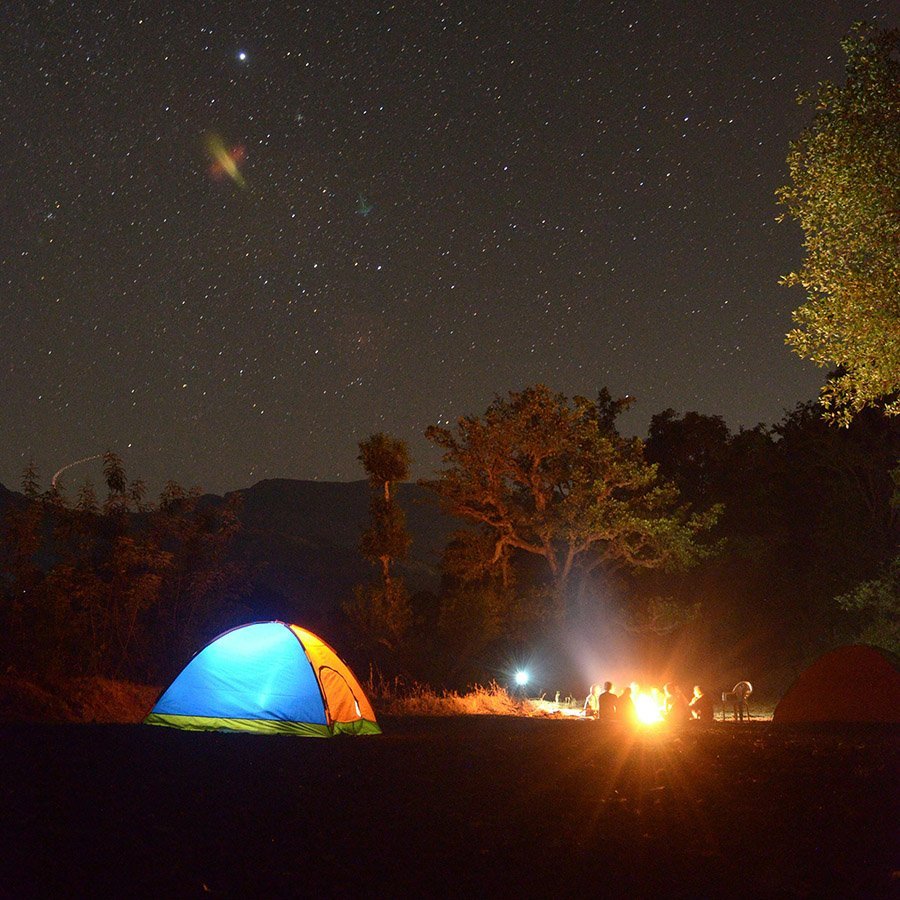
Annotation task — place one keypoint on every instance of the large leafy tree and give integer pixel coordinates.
(876, 603)
(200, 593)
(550, 478)
(845, 194)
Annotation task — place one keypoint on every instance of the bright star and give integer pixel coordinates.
(242, 55)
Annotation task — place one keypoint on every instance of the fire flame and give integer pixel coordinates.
(650, 705)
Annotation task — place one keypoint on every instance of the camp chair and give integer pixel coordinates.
(737, 698)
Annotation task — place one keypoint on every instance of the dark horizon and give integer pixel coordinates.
(78, 471)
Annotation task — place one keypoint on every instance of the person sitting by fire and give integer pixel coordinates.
(592, 703)
(701, 706)
(677, 709)
(606, 703)
(626, 711)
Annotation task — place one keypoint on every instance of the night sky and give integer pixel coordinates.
(236, 239)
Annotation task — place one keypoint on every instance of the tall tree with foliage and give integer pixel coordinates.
(551, 478)
(876, 606)
(845, 194)
(693, 444)
(382, 611)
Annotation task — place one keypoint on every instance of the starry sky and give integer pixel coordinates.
(236, 239)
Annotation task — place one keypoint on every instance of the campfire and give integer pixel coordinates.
(649, 704)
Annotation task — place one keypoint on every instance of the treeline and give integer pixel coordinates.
(120, 587)
(699, 549)
(810, 531)
(707, 550)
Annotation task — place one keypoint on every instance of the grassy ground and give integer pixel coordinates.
(450, 806)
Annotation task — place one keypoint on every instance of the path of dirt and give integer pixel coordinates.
(471, 806)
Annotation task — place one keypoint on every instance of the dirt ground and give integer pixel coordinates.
(468, 806)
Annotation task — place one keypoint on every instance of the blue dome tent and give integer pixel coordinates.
(266, 677)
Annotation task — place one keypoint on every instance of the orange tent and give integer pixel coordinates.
(856, 683)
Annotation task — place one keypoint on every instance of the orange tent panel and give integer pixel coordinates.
(344, 697)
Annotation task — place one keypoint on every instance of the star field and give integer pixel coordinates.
(431, 203)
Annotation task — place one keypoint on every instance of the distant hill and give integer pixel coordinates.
(300, 541)
(8, 498)
(334, 514)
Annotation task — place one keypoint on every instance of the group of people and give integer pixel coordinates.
(606, 706)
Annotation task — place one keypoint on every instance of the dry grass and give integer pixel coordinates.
(556, 709)
(108, 701)
(74, 700)
(400, 698)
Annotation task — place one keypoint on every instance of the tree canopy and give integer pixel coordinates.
(552, 478)
(845, 194)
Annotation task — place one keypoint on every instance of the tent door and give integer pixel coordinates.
(342, 703)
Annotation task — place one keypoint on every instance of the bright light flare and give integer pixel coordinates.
(225, 162)
(521, 678)
(648, 705)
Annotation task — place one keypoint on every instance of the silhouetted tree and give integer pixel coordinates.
(691, 450)
(876, 607)
(31, 482)
(807, 517)
(21, 538)
(202, 584)
(382, 611)
(84, 587)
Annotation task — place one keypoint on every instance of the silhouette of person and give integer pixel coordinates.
(626, 711)
(677, 708)
(701, 705)
(591, 703)
(606, 703)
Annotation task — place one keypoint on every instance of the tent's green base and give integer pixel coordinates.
(262, 726)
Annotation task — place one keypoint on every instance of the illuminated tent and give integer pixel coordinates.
(266, 677)
(855, 683)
